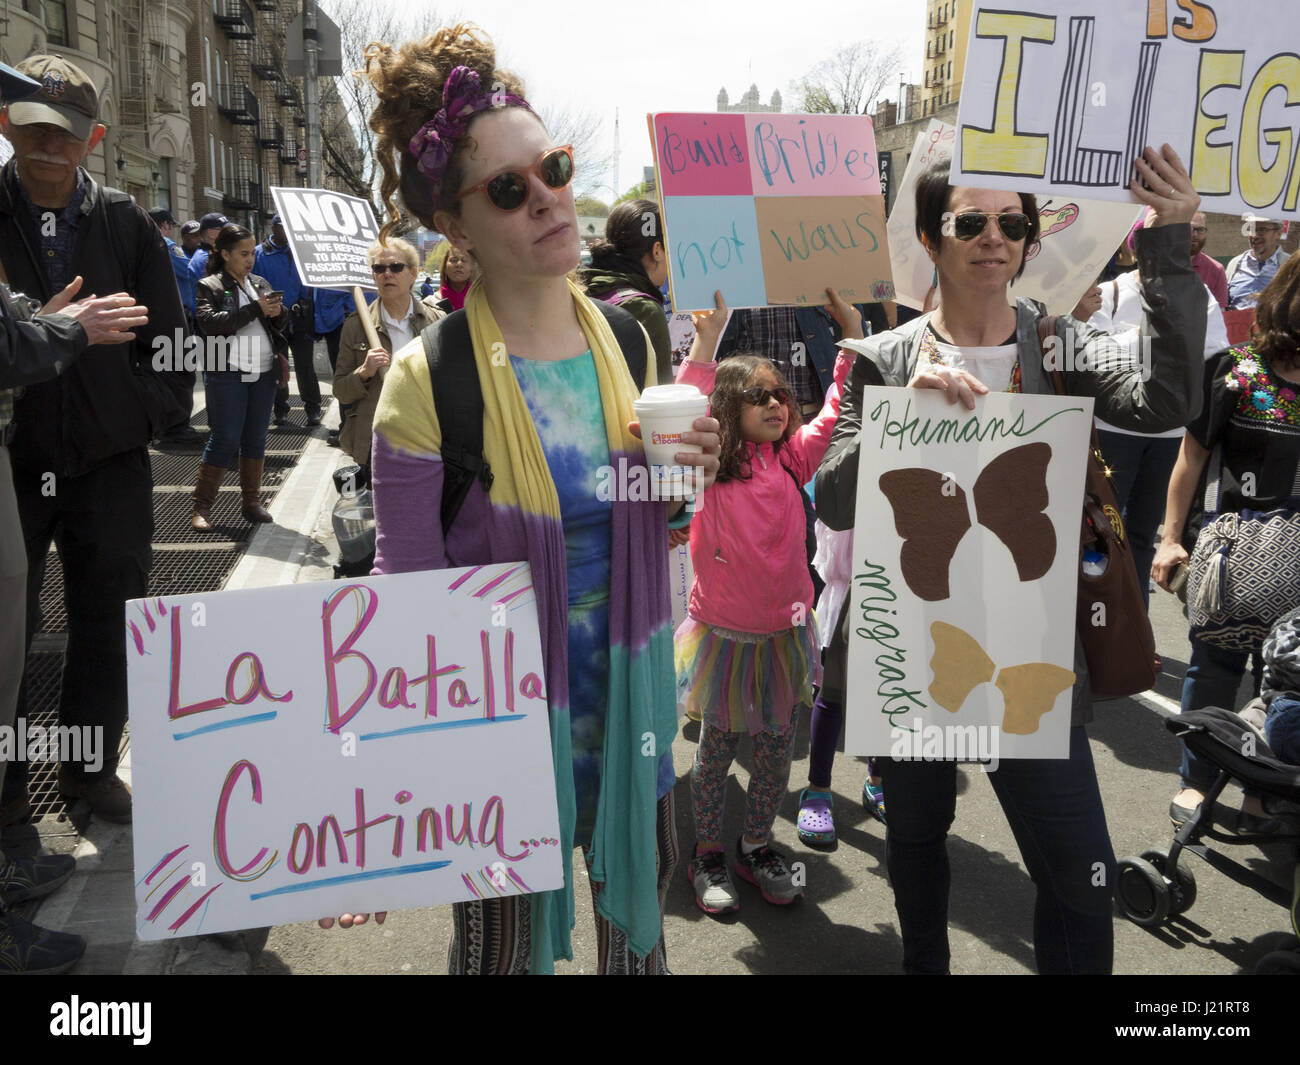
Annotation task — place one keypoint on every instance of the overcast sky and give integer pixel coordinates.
(676, 54)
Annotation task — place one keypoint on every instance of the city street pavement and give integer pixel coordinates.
(845, 923)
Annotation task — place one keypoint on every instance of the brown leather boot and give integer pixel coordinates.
(205, 494)
(250, 483)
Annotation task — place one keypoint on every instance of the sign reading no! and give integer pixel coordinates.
(328, 235)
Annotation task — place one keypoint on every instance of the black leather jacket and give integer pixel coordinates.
(113, 400)
(218, 313)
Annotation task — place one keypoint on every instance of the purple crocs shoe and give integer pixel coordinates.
(816, 818)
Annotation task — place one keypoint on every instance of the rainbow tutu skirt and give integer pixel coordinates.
(745, 681)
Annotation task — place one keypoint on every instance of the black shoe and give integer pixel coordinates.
(314, 418)
(28, 948)
(332, 438)
(22, 879)
(183, 436)
(280, 419)
(1180, 815)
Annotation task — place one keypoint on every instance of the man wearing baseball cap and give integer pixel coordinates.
(1251, 271)
(33, 350)
(209, 226)
(190, 238)
(80, 451)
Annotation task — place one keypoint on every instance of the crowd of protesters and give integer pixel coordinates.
(462, 150)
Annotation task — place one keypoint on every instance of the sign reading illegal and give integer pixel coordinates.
(339, 747)
(328, 235)
(1062, 95)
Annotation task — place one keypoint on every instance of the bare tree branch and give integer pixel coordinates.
(849, 81)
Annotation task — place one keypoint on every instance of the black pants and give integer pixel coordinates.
(102, 525)
(302, 347)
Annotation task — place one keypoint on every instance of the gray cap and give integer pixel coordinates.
(66, 97)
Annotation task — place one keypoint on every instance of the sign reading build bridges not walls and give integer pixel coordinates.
(1062, 95)
(771, 208)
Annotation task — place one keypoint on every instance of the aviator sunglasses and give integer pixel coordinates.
(508, 191)
(760, 397)
(970, 224)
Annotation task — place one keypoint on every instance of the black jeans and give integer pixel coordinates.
(102, 525)
(1054, 809)
(302, 347)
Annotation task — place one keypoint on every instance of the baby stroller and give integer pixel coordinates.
(1157, 886)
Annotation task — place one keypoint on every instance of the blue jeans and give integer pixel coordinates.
(1140, 467)
(238, 412)
(1282, 728)
(1212, 679)
(1054, 809)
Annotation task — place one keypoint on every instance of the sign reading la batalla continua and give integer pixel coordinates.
(344, 747)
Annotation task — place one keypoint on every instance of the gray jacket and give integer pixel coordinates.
(1174, 301)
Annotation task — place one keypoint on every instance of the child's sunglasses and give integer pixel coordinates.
(508, 191)
(970, 224)
(760, 397)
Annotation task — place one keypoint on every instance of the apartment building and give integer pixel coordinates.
(946, 30)
(201, 113)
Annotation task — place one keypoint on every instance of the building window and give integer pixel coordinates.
(950, 69)
(207, 65)
(56, 22)
(212, 161)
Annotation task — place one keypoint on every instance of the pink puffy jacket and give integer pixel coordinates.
(747, 537)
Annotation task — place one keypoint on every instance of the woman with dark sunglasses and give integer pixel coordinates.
(979, 340)
(471, 159)
(398, 317)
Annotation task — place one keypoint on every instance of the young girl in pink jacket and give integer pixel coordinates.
(747, 654)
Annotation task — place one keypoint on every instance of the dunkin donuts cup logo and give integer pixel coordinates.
(665, 438)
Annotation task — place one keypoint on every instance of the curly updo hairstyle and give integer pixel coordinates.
(408, 82)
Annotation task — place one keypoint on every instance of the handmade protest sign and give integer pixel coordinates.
(1076, 237)
(965, 575)
(1062, 95)
(770, 208)
(340, 747)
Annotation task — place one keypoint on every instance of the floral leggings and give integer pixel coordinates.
(773, 752)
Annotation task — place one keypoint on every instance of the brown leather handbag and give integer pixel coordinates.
(1110, 617)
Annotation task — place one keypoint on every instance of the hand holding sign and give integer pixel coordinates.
(1168, 190)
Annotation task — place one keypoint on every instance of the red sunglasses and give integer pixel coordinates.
(508, 190)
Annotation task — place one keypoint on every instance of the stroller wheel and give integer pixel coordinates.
(1279, 963)
(1142, 893)
(1183, 888)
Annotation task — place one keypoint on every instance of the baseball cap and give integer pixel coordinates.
(1259, 219)
(189, 228)
(277, 221)
(161, 215)
(66, 97)
(15, 86)
(212, 220)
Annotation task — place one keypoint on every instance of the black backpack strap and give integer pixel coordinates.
(458, 400)
(630, 337)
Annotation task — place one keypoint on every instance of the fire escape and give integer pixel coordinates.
(239, 103)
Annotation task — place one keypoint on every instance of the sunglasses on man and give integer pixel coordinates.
(970, 224)
(508, 190)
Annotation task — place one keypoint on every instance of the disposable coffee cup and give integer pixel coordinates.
(665, 413)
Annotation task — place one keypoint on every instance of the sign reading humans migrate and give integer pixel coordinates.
(341, 747)
(771, 208)
(1063, 94)
(965, 575)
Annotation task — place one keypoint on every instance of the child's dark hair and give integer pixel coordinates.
(735, 375)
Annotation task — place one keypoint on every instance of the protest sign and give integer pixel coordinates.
(770, 208)
(1060, 96)
(328, 235)
(340, 747)
(1076, 237)
(965, 575)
